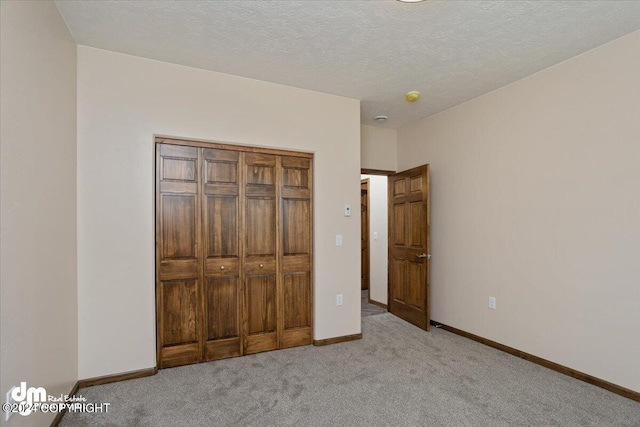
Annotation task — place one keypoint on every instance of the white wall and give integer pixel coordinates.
(39, 314)
(378, 250)
(122, 102)
(536, 201)
(378, 149)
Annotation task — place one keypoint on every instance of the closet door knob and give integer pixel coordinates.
(222, 267)
(261, 266)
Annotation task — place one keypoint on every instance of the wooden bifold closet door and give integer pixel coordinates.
(233, 251)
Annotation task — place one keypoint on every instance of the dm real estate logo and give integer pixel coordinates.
(27, 399)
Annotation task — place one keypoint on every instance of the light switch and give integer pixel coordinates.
(338, 239)
(347, 210)
(375, 235)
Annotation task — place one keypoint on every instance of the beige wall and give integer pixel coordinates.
(536, 201)
(39, 314)
(122, 102)
(378, 250)
(378, 148)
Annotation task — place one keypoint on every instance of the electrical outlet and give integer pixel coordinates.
(375, 235)
(492, 303)
(9, 400)
(338, 239)
(339, 299)
(347, 210)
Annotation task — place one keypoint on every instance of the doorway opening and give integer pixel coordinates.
(396, 244)
(374, 251)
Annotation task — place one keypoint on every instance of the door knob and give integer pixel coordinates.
(427, 256)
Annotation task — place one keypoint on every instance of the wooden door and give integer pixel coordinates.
(178, 272)
(409, 245)
(295, 316)
(260, 254)
(222, 297)
(233, 250)
(364, 233)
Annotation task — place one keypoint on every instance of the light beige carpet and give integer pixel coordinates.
(367, 309)
(397, 375)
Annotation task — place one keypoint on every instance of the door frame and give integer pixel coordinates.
(378, 172)
(366, 182)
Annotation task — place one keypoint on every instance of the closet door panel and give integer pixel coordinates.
(229, 267)
(261, 169)
(178, 236)
(261, 297)
(222, 313)
(233, 251)
(296, 251)
(222, 226)
(178, 273)
(260, 256)
(297, 300)
(179, 311)
(296, 232)
(179, 226)
(260, 300)
(260, 226)
(222, 302)
(178, 355)
(222, 305)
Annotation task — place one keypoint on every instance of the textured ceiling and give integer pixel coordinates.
(375, 51)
